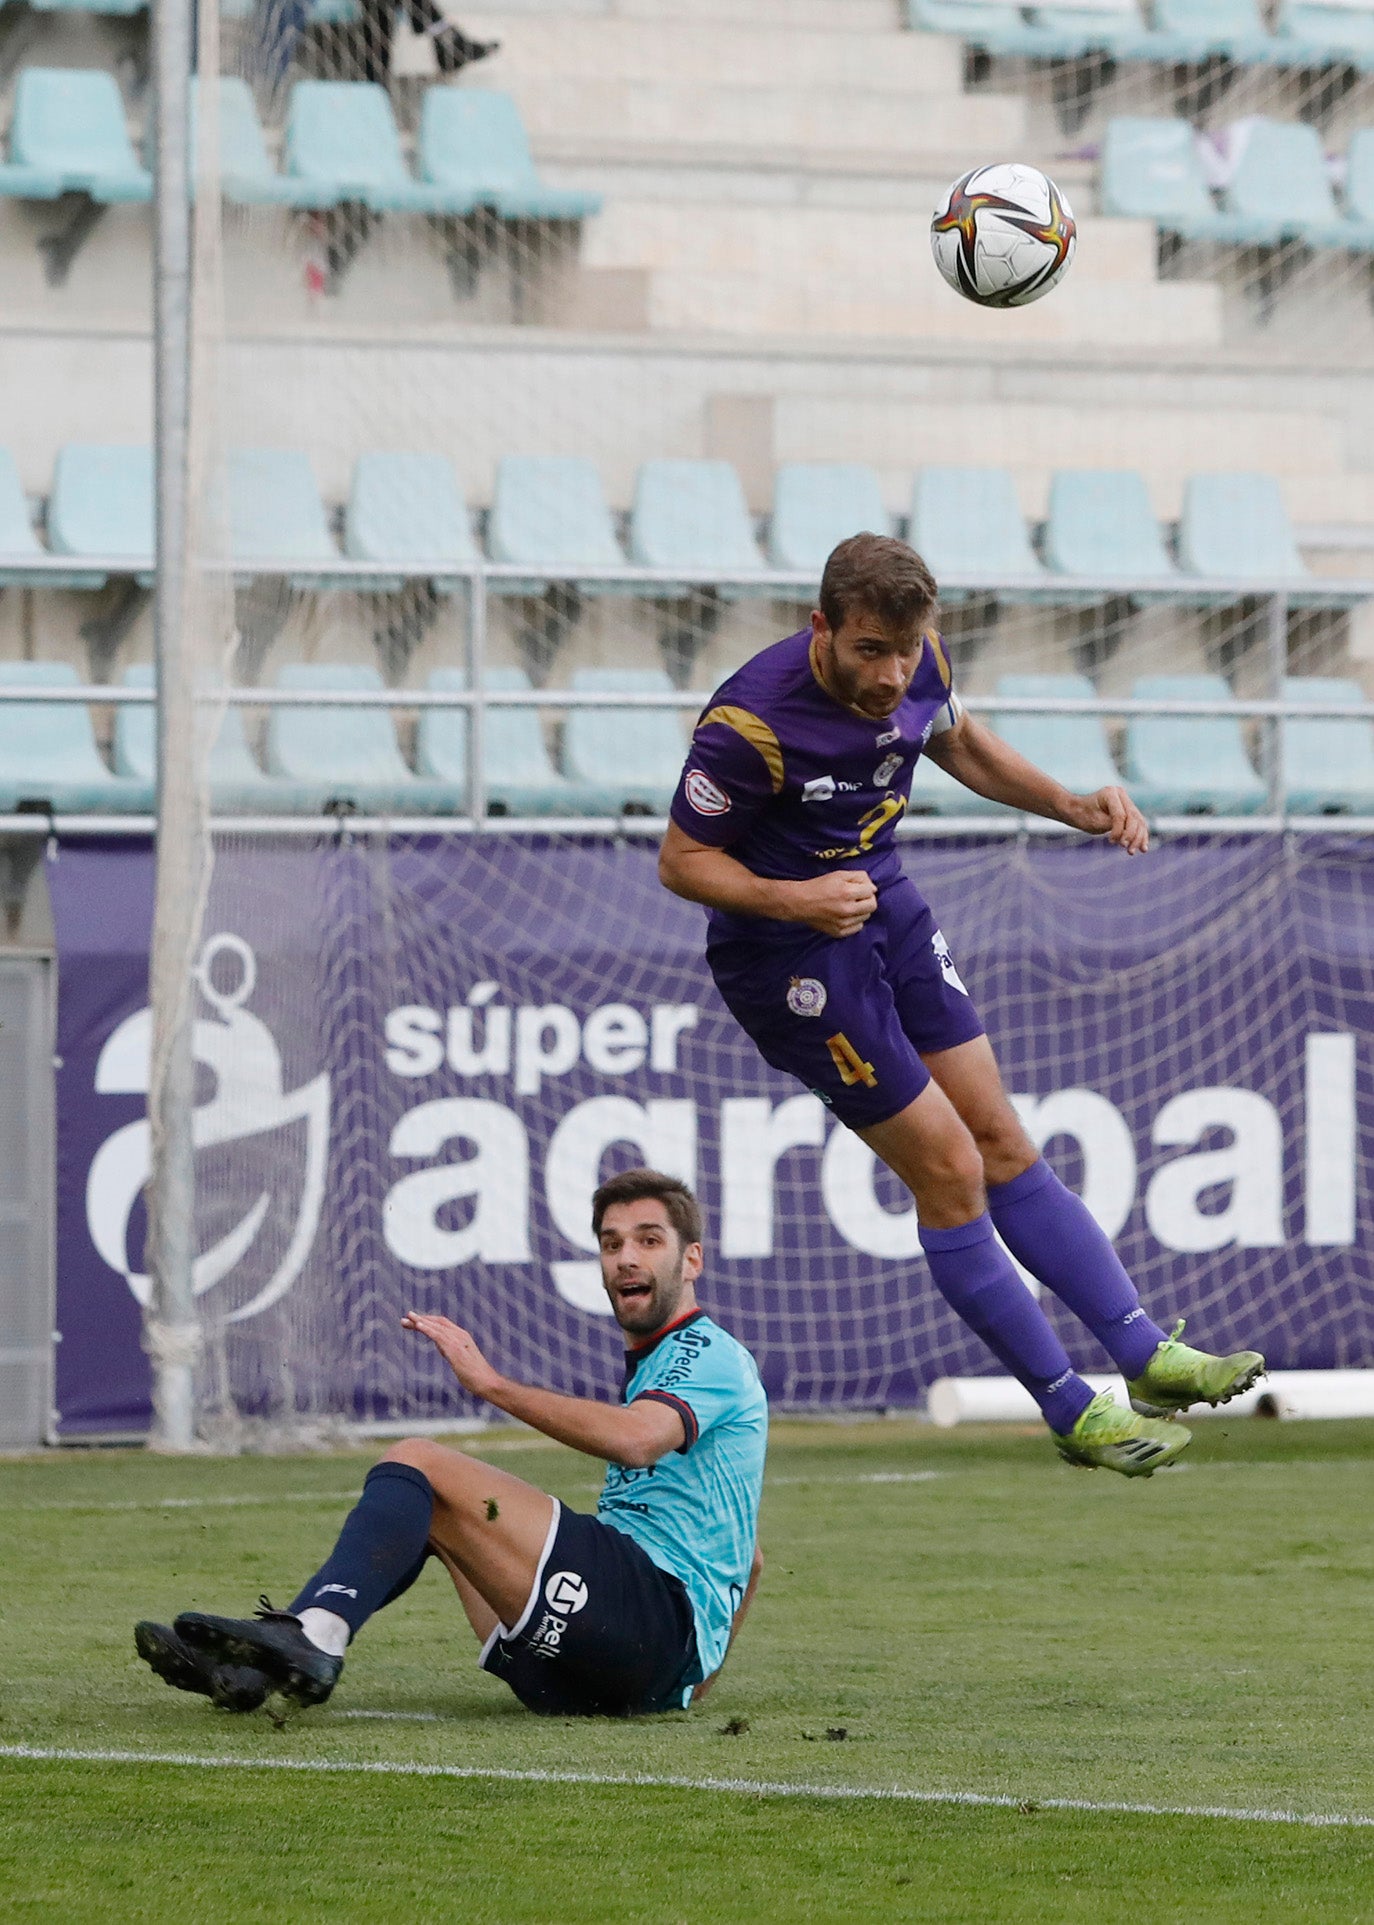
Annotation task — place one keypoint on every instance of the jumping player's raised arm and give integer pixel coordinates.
(976, 756)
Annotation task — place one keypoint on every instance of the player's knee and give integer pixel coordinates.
(954, 1172)
(420, 1453)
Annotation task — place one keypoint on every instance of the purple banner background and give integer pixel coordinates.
(1204, 967)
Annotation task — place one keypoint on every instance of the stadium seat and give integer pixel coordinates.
(473, 146)
(692, 514)
(117, 7)
(1101, 523)
(68, 135)
(1359, 186)
(341, 141)
(408, 509)
(1151, 171)
(1317, 36)
(248, 175)
(618, 759)
(1113, 27)
(349, 756)
(1280, 189)
(102, 505)
(935, 793)
(997, 28)
(819, 503)
(1328, 764)
(967, 523)
(1237, 526)
(1194, 30)
(1072, 748)
(237, 784)
(48, 756)
(20, 545)
(1190, 764)
(277, 520)
(549, 511)
(520, 778)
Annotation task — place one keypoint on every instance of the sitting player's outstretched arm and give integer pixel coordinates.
(634, 1435)
(838, 904)
(983, 762)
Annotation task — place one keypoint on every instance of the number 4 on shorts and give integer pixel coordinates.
(852, 1067)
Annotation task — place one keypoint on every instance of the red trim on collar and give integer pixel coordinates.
(638, 1349)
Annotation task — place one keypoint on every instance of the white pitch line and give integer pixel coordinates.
(190, 1503)
(648, 1781)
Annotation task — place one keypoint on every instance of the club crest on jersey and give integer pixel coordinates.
(888, 735)
(806, 996)
(703, 794)
(885, 770)
(820, 790)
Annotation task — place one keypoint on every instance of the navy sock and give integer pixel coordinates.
(975, 1277)
(381, 1549)
(1052, 1233)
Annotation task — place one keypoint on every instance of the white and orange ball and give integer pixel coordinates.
(1004, 235)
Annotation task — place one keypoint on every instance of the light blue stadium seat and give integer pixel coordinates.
(692, 514)
(967, 522)
(277, 520)
(819, 503)
(1072, 748)
(237, 785)
(985, 23)
(1317, 36)
(549, 511)
(472, 145)
(1151, 171)
(68, 135)
(408, 509)
(102, 505)
(334, 755)
(19, 544)
(1237, 526)
(1359, 186)
(1195, 29)
(622, 758)
(1328, 763)
(48, 752)
(1280, 189)
(1190, 764)
(341, 141)
(935, 793)
(520, 778)
(1101, 523)
(119, 7)
(1107, 26)
(247, 171)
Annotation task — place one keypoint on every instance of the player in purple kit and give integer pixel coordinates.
(784, 826)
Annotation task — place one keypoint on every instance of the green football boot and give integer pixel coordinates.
(1177, 1376)
(1106, 1437)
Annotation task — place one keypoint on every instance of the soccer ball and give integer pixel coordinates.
(1003, 236)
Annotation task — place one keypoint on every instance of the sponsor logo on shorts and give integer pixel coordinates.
(946, 962)
(820, 790)
(888, 735)
(806, 996)
(703, 794)
(566, 1591)
(885, 770)
(546, 1639)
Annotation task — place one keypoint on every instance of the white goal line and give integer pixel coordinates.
(650, 1781)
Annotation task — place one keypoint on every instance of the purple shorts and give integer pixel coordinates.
(851, 1016)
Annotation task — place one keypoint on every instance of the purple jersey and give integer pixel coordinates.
(793, 782)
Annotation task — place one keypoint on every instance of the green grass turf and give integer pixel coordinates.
(973, 1616)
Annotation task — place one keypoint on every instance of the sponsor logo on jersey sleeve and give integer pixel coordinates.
(806, 996)
(703, 794)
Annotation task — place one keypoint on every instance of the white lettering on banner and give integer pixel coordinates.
(1104, 1141)
(497, 1178)
(615, 1039)
(666, 1023)
(548, 1041)
(665, 1134)
(847, 1172)
(1252, 1164)
(464, 1055)
(414, 1044)
(753, 1135)
(1332, 1124)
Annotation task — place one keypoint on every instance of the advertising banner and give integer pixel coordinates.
(416, 1057)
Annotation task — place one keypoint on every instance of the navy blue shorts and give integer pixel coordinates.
(605, 1633)
(851, 1016)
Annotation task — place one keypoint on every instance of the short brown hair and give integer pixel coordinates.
(636, 1186)
(882, 577)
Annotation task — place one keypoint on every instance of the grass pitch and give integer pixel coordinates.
(941, 1613)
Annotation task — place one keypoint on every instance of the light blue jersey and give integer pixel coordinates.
(696, 1511)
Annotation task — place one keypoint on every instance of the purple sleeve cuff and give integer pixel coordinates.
(684, 1411)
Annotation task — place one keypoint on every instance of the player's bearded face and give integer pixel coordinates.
(868, 666)
(645, 1272)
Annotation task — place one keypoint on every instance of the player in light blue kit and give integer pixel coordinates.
(630, 1611)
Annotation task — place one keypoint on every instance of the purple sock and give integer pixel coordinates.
(974, 1276)
(1050, 1231)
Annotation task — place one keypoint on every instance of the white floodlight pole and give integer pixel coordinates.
(172, 1331)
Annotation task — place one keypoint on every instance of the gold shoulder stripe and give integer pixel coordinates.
(941, 658)
(756, 732)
